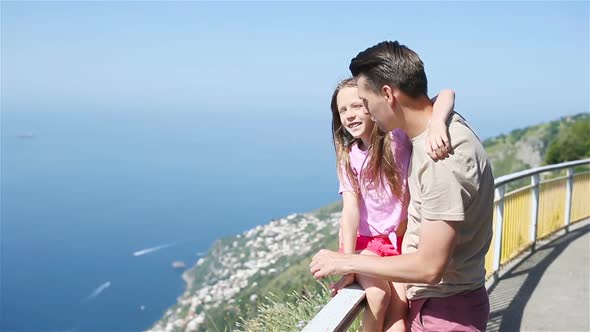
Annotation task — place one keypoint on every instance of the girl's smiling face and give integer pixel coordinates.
(353, 115)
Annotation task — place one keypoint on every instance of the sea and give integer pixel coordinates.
(97, 204)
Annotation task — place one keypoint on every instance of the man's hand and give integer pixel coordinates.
(344, 281)
(327, 263)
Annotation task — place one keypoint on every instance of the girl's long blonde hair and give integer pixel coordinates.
(381, 160)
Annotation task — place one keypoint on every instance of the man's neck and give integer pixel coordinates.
(417, 113)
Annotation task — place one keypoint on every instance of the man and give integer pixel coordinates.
(451, 207)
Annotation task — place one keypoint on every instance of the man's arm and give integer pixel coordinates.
(427, 265)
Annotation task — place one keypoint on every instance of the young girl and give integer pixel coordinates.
(372, 169)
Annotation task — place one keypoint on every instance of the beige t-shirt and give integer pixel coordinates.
(459, 189)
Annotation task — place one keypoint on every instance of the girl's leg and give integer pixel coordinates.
(378, 294)
(398, 309)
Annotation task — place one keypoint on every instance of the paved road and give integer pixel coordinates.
(548, 290)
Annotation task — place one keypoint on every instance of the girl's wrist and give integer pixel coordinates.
(437, 117)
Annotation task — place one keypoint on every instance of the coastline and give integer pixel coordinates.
(235, 270)
(187, 279)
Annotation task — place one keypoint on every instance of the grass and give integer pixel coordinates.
(291, 314)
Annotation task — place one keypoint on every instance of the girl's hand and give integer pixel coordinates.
(437, 140)
(437, 137)
(344, 281)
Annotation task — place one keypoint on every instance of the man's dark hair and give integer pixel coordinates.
(390, 63)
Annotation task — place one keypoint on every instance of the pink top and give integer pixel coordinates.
(380, 212)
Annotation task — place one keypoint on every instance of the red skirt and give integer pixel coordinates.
(379, 245)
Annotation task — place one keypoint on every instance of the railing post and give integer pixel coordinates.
(534, 209)
(568, 198)
(499, 193)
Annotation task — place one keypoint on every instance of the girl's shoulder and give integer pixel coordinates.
(357, 157)
(354, 149)
(400, 138)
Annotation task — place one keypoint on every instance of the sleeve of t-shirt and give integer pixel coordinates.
(345, 184)
(445, 189)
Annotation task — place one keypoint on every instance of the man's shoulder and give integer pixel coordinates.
(468, 159)
(467, 152)
(463, 139)
(466, 148)
(460, 128)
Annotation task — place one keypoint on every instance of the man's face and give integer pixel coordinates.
(377, 105)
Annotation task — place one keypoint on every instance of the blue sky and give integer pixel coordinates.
(511, 63)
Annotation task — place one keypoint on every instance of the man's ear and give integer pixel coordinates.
(390, 94)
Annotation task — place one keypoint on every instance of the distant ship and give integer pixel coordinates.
(178, 265)
(27, 135)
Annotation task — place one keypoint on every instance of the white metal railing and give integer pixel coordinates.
(343, 308)
(340, 312)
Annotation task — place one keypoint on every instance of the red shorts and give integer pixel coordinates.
(381, 246)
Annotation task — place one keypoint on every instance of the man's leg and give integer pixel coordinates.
(414, 319)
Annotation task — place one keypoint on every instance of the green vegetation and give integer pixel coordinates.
(572, 142)
(293, 285)
(325, 211)
(291, 314)
(532, 146)
(565, 139)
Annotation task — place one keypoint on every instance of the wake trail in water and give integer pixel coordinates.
(98, 291)
(151, 250)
